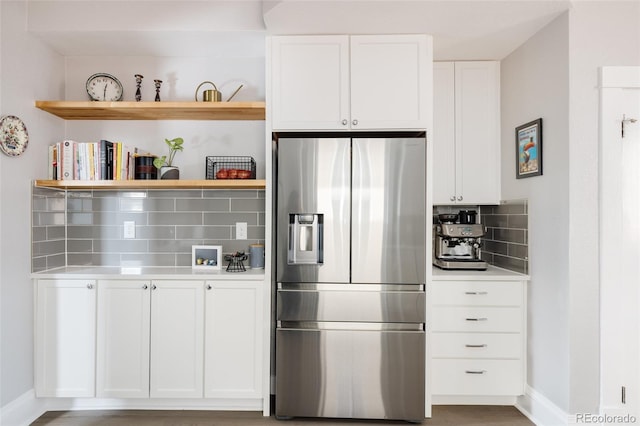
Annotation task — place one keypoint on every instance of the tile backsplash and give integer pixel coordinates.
(506, 242)
(167, 224)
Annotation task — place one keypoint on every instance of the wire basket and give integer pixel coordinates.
(230, 167)
(236, 261)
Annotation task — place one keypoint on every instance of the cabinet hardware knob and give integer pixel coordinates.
(153, 287)
(209, 287)
(476, 293)
(345, 122)
(459, 197)
(354, 122)
(476, 319)
(475, 371)
(475, 346)
(144, 287)
(89, 286)
(452, 198)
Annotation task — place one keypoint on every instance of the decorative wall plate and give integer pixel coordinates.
(13, 135)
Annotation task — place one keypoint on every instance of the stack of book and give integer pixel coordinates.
(104, 160)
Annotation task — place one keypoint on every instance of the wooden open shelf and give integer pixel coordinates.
(153, 184)
(80, 110)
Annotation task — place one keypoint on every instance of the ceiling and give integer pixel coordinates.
(462, 29)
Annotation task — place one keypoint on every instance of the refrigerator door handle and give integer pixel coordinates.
(350, 326)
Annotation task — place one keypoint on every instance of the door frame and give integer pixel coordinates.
(616, 337)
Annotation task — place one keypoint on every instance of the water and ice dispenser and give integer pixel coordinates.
(305, 239)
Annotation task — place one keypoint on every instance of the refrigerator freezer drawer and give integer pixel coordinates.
(355, 305)
(350, 374)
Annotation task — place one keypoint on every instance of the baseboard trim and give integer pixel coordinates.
(23, 410)
(58, 404)
(472, 400)
(540, 410)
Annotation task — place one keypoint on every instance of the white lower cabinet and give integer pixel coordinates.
(173, 338)
(65, 338)
(122, 359)
(150, 339)
(177, 333)
(477, 339)
(233, 344)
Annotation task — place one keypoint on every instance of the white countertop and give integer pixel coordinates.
(493, 273)
(149, 273)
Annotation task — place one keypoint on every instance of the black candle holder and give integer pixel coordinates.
(158, 83)
(138, 84)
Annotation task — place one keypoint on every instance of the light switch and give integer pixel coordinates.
(129, 229)
(241, 230)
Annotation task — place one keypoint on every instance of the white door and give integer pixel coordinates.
(310, 82)
(444, 139)
(477, 132)
(233, 344)
(177, 335)
(390, 81)
(122, 369)
(620, 240)
(65, 338)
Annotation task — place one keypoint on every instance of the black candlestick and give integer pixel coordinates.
(158, 83)
(138, 84)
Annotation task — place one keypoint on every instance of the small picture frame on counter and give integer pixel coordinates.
(529, 149)
(206, 257)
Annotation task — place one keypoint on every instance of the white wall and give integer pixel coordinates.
(555, 76)
(181, 76)
(600, 33)
(535, 85)
(29, 71)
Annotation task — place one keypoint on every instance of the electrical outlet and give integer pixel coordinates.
(241, 230)
(129, 229)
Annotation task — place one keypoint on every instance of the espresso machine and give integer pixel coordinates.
(457, 245)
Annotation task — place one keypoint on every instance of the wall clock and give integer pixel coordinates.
(13, 135)
(104, 87)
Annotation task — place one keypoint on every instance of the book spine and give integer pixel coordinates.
(67, 160)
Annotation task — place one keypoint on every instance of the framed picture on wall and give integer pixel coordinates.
(529, 149)
(206, 257)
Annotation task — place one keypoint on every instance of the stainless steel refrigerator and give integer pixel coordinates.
(350, 272)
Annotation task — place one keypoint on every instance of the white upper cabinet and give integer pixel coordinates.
(466, 142)
(350, 82)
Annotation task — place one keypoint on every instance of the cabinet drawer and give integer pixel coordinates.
(477, 319)
(477, 377)
(476, 345)
(476, 293)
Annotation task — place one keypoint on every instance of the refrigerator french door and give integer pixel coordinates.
(350, 271)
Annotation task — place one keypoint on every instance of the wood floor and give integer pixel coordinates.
(441, 416)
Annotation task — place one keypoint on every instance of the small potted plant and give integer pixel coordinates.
(165, 164)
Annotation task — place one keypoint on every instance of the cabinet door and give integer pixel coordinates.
(444, 140)
(477, 115)
(177, 333)
(310, 82)
(123, 339)
(390, 81)
(233, 340)
(65, 338)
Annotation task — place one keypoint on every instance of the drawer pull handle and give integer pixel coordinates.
(476, 293)
(475, 371)
(475, 346)
(476, 319)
